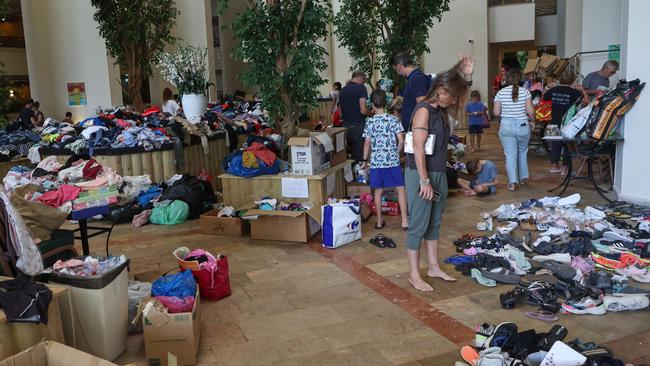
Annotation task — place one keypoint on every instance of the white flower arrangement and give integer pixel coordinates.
(186, 68)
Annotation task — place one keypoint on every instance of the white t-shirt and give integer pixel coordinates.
(510, 109)
(170, 107)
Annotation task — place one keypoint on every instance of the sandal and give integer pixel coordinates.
(512, 187)
(383, 223)
(379, 241)
(544, 315)
(512, 298)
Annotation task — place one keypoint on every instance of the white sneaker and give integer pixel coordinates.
(570, 200)
(549, 201)
(541, 239)
(481, 226)
(564, 258)
(613, 236)
(623, 303)
(507, 227)
(553, 231)
(594, 214)
(594, 310)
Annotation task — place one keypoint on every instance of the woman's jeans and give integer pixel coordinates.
(515, 135)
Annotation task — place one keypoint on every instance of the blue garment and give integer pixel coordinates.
(487, 174)
(146, 196)
(417, 85)
(382, 130)
(386, 177)
(473, 107)
(349, 102)
(515, 135)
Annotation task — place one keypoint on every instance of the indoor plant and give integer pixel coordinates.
(186, 68)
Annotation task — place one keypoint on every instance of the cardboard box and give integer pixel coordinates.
(357, 189)
(388, 208)
(310, 154)
(296, 226)
(366, 211)
(178, 334)
(226, 226)
(48, 353)
(340, 153)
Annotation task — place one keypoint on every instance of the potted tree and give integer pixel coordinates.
(186, 68)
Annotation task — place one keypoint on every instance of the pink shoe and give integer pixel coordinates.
(585, 265)
(470, 251)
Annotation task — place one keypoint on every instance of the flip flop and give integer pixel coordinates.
(390, 243)
(469, 355)
(383, 223)
(546, 316)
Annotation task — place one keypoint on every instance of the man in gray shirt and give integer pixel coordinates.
(597, 81)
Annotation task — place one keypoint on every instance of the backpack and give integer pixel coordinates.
(543, 112)
(610, 107)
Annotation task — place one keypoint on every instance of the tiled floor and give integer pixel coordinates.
(297, 304)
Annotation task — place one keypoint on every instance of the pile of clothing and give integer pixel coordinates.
(582, 261)
(271, 204)
(16, 144)
(505, 345)
(252, 161)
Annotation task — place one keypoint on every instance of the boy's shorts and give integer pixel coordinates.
(475, 129)
(474, 183)
(386, 177)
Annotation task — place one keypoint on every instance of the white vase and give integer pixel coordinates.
(194, 106)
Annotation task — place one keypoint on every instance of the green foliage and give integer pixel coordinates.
(279, 41)
(135, 31)
(5, 101)
(374, 30)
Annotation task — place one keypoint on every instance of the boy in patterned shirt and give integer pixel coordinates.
(384, 140)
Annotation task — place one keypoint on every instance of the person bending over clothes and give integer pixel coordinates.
(486, 178)
(384, 140)
(426, 169)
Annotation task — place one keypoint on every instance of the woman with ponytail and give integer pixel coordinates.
(515, 107)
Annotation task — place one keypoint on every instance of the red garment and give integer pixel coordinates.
(62, 195)
(336, 118)
(124, 124)
(149, 111)
(261, 152)
(91, 169)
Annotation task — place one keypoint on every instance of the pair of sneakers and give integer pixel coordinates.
(585, 305)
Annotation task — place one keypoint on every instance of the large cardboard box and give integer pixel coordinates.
(178, 334)
(296, 226)
(48, 353)
(316, 151)
(226, 226)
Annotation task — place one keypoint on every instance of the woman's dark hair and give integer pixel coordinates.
(471, 166)
(378, 98)
(452, 81)
(167, 94)
(37, 105)
(68, 114)
(475, 94)
(337, 86)
(513, 77)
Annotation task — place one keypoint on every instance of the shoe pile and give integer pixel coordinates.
(562, 258)
(505, 345)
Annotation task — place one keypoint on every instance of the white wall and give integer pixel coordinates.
(229, 66)
(60, 51)
(507, 23)
(601, 26)
(631, 158)
(546, 30)
(450, 38)
(569, 23)
(14, 60)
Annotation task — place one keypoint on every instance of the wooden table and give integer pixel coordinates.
(240, 191)
(17, 337)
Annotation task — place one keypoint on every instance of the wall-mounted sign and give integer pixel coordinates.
(77, 94)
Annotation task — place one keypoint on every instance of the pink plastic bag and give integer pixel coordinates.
(176, 304)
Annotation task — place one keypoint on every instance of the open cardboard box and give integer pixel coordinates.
(297, 226)
(48, 353)
(177, 334)
(227, 226)
(313, 152)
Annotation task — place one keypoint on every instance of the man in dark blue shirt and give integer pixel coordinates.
(352, 101)
(417, 85)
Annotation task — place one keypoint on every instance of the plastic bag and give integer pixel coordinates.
(178, 284)
(210, 272)
(137, 292)
(177, 305)
(174, 213)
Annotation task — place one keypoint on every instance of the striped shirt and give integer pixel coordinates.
(510, 109)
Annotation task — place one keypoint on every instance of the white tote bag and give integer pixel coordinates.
(341, 224)
(428, 145)
(577, 124)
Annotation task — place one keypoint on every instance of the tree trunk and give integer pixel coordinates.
(135, 89)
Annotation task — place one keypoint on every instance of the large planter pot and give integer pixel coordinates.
(194, 106)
